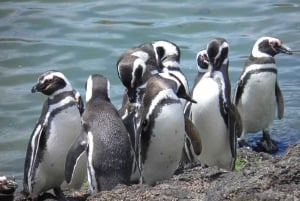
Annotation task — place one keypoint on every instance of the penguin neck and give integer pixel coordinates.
(98, 99)
(60, 95)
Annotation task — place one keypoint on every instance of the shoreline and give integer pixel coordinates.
(262, 177)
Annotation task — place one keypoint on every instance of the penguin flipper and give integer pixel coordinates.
(36, 143)
(78, 148)
(193, 133)
(279, 100)
(237, 120)
(238, 92)
(235, 129)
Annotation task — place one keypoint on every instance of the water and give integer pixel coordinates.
(80, 38)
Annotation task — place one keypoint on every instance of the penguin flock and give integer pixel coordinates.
(161, 126)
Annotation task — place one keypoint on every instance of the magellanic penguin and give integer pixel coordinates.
(214, 114)
(105, 139)
(258, 92)
(190, 151)
(58, 126)
(135, 67)
(161, 128)
(168, 58)
(202, 67)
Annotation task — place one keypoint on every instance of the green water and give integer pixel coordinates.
(84, 37)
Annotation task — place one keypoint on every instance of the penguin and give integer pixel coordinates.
(134, 67)
(104, 138)
(160, 131)
(58, 126)
(214, 114)
(192, 146)
(258, 92)
(202, 67)
(168, 58)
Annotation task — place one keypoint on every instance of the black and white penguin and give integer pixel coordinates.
(213, 114)
(202, 67)
(58, 126)
(161, 131)
(135, 67)
(105, 138)
(258, 92)
(168, 58)
(192, 145)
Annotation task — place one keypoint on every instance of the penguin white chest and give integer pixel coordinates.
(64, 128)
(207, 118)
(258, 102)
(166, 142)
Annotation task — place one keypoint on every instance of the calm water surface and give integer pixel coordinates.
(81, 38)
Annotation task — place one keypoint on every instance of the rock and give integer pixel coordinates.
(7, 187)
(264, 177)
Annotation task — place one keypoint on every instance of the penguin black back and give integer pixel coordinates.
(109, 148)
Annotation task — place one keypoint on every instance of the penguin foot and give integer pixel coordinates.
(266, 145)
(243, 143)
(59, 194)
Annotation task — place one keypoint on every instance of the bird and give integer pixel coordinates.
(214, 114)
(167, 55)
(104, 138)
(192, 145)
(58, 126)
(202, 67)
(135, 66)
(258, 92)
(160, 128)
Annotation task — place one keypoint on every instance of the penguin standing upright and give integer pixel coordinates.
(191, 151)
(58, 126)
(104, 138)
(258, 92)
(202, 67)
(161, 131)
(213, 115)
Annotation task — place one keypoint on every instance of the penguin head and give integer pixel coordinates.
(202, 61)
(178, 87)
(268, 46)
(168, 53)
(52, 82)
(133, 73)
(217, 53)
(97, 87)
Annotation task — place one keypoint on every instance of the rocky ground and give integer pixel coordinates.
(261, 177)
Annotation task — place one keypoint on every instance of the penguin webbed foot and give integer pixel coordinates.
(243, 143)
(266, 144)
(59, 194)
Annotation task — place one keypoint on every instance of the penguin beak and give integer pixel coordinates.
(188, 98)
(38, 87)
(131, 93)
(181, 93)
(284, 49)
(33, 89)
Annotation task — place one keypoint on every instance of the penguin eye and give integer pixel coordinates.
(48, 81)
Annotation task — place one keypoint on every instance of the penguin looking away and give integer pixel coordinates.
(58, 126)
